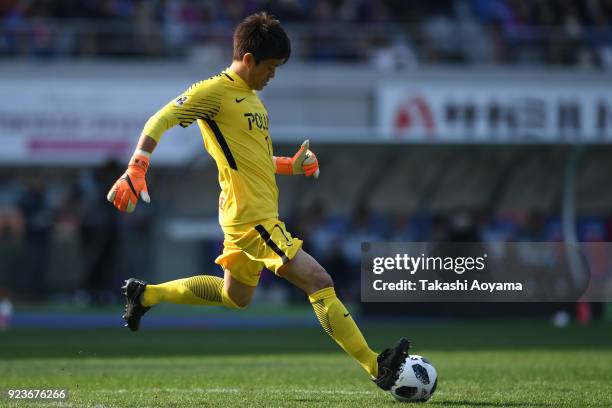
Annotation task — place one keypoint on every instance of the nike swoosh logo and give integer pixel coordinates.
(289, 243)
(346, 315)
(240, 100)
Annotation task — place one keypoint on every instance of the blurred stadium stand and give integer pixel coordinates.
(60, 240)
(387, 32)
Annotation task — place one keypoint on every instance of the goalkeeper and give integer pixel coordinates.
(234, 125)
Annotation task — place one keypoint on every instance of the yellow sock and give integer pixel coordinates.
(197, 290)
(338, 323)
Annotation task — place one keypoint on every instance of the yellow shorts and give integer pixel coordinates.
(248, 248)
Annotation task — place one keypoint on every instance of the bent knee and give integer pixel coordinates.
(320, 279)
(243, 303)
(237, 302)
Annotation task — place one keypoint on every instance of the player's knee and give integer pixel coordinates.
(243, 303)
(320, 279)
(236, 301)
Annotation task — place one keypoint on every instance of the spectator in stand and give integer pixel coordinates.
(34, 204)
(99, 230)
(12, 224)
(555, 31)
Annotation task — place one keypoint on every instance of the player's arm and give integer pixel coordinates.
(132, 184)
(304, 161)
(199, 101)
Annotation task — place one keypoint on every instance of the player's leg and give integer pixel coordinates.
(195, 290)
(272, 244)
(200, 290)
(305, 272)
(235, 293)
(235, 290)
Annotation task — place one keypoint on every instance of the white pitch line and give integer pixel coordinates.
(192, 390)
(233, 390)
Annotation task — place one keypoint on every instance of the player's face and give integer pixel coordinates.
(262, 73)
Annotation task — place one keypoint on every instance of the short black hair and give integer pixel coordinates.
(262, 35)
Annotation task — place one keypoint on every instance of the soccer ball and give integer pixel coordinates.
(417, 380)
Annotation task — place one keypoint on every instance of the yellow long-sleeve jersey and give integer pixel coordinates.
(234, 126)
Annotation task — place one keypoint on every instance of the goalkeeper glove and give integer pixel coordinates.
(303, 162)
(132, 184)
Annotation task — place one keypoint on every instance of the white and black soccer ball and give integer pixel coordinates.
(417, 380)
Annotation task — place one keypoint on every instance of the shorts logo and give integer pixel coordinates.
(289, 243)
(180, 101)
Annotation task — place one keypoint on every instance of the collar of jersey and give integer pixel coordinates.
(239, 82)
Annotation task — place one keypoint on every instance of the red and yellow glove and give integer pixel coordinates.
(303, 162)
(132, 184)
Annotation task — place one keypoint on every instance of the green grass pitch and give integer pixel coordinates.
(479, 364)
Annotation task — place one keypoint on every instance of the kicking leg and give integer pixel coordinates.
(305, 272)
